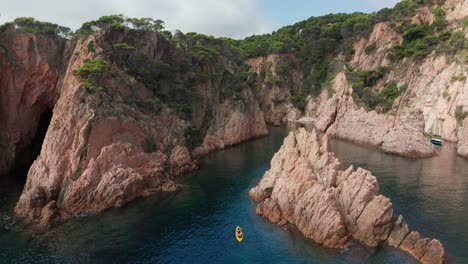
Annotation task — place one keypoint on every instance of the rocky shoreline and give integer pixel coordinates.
(306, 187)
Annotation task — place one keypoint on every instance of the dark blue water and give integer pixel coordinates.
(196, 225)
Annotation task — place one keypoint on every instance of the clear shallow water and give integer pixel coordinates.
(196, 225)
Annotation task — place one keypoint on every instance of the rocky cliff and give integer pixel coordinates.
(432, 88)
(30, 68)
(402, 135)
(275, 86)
(112, 140)
(307, 188)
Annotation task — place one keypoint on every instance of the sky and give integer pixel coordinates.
(229, 18)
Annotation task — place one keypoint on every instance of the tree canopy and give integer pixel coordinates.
(119, 22)
(29, 25)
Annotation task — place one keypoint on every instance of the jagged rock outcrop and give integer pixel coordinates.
(102, 151)
(181, 161)
(306, 187)
(30, 68)
(88, 162)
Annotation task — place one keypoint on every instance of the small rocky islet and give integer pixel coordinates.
(307, 188)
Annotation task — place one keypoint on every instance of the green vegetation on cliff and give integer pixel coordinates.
(176, 69)
(364, 94)
(90, 73)
(186, 63)
(118, 23)
(460, 115)
(28, 25)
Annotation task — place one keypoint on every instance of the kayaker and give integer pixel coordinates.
(239, 234)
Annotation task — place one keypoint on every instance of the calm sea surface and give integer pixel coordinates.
(196, 225)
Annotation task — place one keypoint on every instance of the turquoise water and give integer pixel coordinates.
(197, 224)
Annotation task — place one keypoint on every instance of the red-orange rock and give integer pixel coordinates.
(269, 209)
(30, 67)
(181, 162)
(101, 151)
(306, 187)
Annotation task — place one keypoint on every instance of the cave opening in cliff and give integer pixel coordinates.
(27, 155)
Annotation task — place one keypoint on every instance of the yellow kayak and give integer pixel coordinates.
(239, 234)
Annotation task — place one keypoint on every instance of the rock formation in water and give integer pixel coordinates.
(307, 188)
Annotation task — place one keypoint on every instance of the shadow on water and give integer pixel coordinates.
(196, 225)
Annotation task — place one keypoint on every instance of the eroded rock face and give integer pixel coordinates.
(306, 187)
(101, 151)
(181, 162)
(401, 135)
(361, 127)
(406, 138)
(455, 9)
(384, 37)
(426, 250)
(232, 124)
(30, 67)
(273, 95)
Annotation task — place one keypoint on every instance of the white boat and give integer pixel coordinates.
(436, 141)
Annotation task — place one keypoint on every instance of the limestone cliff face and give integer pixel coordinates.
(102, 150)
(30, 68)
(306, 187)
(433, 93)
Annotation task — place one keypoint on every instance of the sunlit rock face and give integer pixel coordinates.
(307, 188)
